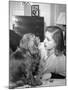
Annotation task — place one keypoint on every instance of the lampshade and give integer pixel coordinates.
(61, 18)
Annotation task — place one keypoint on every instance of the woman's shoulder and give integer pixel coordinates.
(61, 65)
(61, 57)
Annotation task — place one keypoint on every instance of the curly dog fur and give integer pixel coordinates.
(24, 62)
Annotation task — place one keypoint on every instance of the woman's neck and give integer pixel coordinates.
(51, 51)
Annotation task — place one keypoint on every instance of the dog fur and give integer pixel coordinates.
(24, 62)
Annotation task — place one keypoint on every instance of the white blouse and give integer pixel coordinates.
(52, 63)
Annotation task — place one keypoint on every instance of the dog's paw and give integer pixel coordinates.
(12, 85)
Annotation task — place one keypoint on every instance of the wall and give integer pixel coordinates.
(50, 11)
(44, 11)
(27, 9)
(53, 14)
(15, 8)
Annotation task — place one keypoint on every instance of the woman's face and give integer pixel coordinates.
(49, 42)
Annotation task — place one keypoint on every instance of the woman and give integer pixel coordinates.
(53, 61)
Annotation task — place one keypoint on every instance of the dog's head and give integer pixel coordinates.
(30, 42)
(27, 59)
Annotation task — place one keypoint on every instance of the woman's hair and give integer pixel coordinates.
(58, 38)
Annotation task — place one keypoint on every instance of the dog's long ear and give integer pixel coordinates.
(24, 42)
(34, 48)
(37, 41)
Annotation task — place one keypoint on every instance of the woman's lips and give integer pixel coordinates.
(45, 45)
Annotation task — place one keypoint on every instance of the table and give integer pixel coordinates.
(49, 83)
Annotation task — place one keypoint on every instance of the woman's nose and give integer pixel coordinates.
(45, 40)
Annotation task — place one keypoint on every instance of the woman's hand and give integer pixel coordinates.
(46, 76)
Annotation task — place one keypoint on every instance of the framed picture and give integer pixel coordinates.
(35, 10)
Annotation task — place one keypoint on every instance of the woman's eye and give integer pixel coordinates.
(48, 39)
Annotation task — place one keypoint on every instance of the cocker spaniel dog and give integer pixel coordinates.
(24, 63)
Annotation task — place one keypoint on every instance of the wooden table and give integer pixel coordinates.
(49, 83)
(54, 82)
